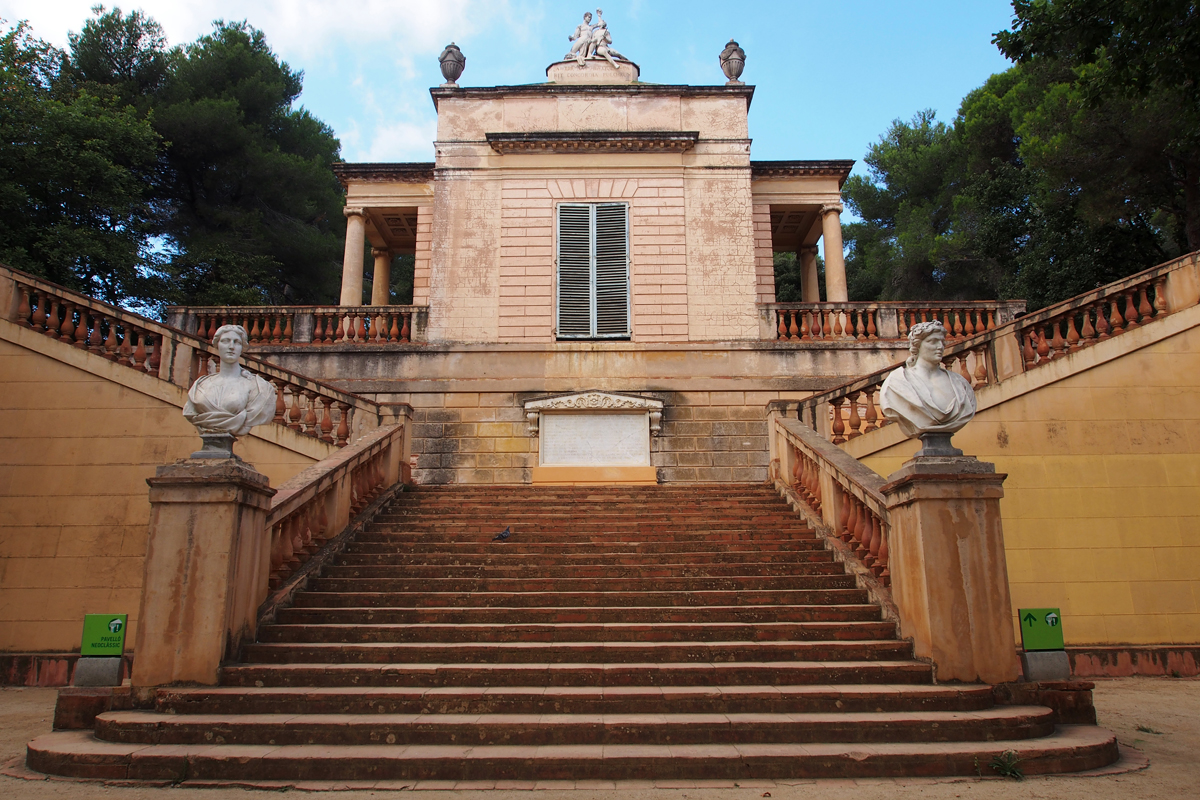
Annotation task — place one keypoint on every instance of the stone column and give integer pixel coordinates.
(352, 262)
(208, 556)
(949, 575)
(835, 265)
(381, 280)
(810, 286)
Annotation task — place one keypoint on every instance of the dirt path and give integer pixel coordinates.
(1169, 708)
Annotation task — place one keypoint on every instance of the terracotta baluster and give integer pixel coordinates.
(24, 307)
(52, 322)
(797, 469)
(1072, 335)
(855, 419)
(154, 362)
(981, 372)
(805, 330)
(816, 486)
(1043, 349)
(394, 332)
(125, 351)
(860, 329)
(781, 330)
(792, 331)
(958, 326)
(1131, 312)
(67, 332)
(343, 428)
(326, 421)
(851, 520)
(287, 330)
(902, 319)
(323, 517)
(876, 545)
(868, 546)
(969, 327)
(881, 561)
(1027, 339)
(962, 366)
(110, 342)
(139, 352)
(839, 426)
(405, 332)
(1087, 333)
(838, 328)
(1143, 307)
(212, 327)
(1160, 297)
(295, 412)
(843, 513)
(360, 334)
(872, 330)
(330, 330)
(39, 314)
(277, 331)
(340, 335)
(923, 313)
(1116, 322)
(280, 405)
(255, 332)
(309, 422)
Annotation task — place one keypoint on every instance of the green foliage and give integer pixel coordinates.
(789, 278)
(1006, 765)
(73, 175)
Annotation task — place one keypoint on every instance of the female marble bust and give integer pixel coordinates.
(923, 396)
(233, 400)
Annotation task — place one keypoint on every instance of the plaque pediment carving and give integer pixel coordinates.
(594, 401)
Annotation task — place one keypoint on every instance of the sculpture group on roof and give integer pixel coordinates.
(593, 41)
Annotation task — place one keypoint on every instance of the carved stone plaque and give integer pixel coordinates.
(595, 440)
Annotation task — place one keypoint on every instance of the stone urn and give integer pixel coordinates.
(733, 61)
(453, 62)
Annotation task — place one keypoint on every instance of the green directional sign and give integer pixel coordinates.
(1041, 628)
(104, 634)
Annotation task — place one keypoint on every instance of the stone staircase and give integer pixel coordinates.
(681, 633)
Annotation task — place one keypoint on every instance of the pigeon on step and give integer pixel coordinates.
(503, 535)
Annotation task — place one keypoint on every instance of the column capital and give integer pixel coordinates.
(807, 249)
(831, 208)
(376, 252)
(351, 211)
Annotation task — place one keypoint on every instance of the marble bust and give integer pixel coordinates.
(232, 401)
(925, 398)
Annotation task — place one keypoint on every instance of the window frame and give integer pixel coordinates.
(593, 297)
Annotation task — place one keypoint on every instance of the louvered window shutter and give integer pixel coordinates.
(593, 271)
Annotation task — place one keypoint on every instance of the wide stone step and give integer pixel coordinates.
(548, 585)
(569, 536)
(531, 571)
(707, 615)
(577, 632)
(79, 754)
(592, 652)
(364, 543)
(148, 727)
(500, 557)
(578, 674)
(727, 699)
(776, 597)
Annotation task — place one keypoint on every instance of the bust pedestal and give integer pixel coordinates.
(207, 559)
(948, 569)
(594, 72)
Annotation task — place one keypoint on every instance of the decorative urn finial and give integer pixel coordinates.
(452, 61)
(733, 61)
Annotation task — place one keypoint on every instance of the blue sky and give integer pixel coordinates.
(830, 76)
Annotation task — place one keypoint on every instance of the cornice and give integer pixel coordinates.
(439, 93)
(839, 169)
(593, 142)
(409, 172)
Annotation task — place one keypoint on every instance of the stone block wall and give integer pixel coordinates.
(468, 437)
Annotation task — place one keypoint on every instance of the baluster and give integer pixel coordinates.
(155, 360)
(816, 485)
(791, 331)
(280, 404)
(294, 412)
(872, 418)
(876, 545)
(39, 315)
(902, 319)
(340, 335)
(81, 330)
(855, 419)
(330, 331)
(969, 328)
(212, 327)
(838, 329)
(868, 545)
(872, 329)
(981, 373)
(405, 331)
(310, 413)
(326, 421)
(394, 331)
(360, 334)
(860, 330)
(110, 342)
(67, 332)
(287, 330)
(255, 331)
(1160, 297)
(24, 307)
(851, 519)
(839, 426)
(962, 366)
(1115, 321)
(816, 326)
(797, 470)
(805, 330)
(1088, 333)
(781, 330)
(317, 328)
(1072, 334)
(958, 326)
(1131, 312)
(125, 351)
(52, 319)
(843, 512)
(1043, 348)
(924, 311)
(277, 331)
(139, 353)
(343, 428)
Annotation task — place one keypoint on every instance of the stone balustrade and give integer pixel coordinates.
(847, 322)
(1022, 344)
(307, 325)
(317, 504)
(843, 495)
(309, 407)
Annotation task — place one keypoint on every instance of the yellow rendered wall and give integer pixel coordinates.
(1102, 503)
(76, 449)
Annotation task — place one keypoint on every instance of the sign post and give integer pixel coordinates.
(101, 648)
(1044, 657)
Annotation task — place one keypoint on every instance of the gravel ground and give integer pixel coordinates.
(1160, 717)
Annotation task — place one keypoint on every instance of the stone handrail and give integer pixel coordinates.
(307, 325)
(1023, 344)
(840, 497)
(888, 321)
(317, 504)
(309, 407)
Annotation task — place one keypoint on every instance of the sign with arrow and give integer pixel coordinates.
(1041, 628)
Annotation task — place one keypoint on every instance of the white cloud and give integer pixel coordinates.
(398, 141)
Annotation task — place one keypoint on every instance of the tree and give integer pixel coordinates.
(73, 170)
(123, 56)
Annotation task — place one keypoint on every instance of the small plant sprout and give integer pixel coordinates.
(1005, 765)
(1148, 729)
